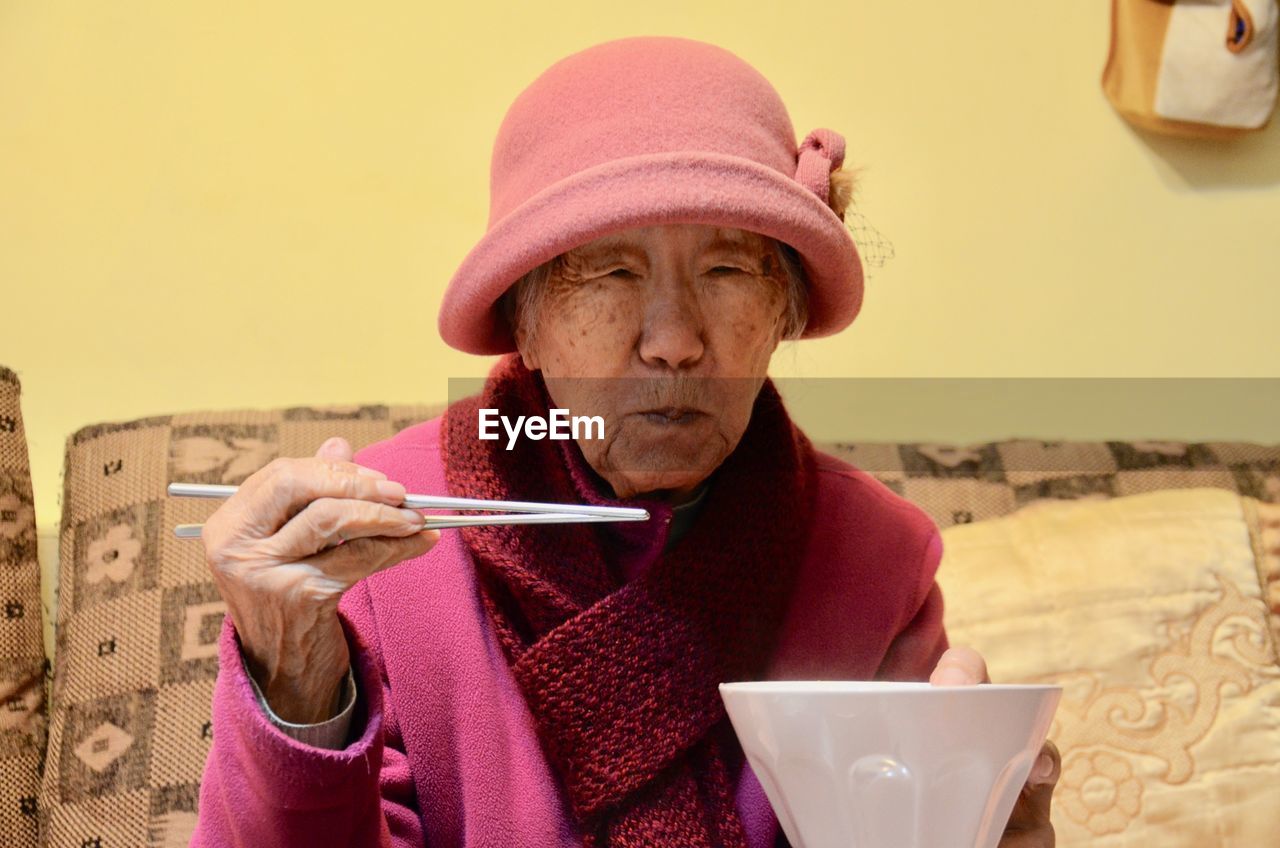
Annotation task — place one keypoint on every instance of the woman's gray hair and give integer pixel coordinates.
(521, 302)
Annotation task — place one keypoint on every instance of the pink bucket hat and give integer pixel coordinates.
(642, 131)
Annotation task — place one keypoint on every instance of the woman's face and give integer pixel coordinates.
(666, 333)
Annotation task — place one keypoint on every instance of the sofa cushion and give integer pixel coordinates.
(958, 484)
(1149, 611)
(138, 619)
(22, 665)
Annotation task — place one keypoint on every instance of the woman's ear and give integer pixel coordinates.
(779, 331)
(510, 308)
(526, 348)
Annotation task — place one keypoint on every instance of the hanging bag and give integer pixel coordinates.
(1204, 68)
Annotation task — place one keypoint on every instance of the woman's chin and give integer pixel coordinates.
(652, 457)
(660, 474)
(659, 486)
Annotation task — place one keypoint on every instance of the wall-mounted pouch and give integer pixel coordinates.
(1204, 68)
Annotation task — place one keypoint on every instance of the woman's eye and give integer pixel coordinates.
(621, 272)
(721, 270)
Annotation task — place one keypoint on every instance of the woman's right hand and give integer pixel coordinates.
(282, 550)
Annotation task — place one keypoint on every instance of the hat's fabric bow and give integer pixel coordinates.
(821, 152)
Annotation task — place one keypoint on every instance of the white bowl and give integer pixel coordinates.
(854, 764)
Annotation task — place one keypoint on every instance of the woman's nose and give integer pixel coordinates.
(673, 333)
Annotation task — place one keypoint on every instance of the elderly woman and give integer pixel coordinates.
(654, 234)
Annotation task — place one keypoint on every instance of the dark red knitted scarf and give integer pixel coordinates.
(621, 678)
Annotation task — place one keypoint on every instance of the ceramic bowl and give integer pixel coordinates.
(852, 764)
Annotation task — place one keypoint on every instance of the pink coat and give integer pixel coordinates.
(444, 752)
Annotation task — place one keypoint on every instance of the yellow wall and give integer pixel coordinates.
(211, 205)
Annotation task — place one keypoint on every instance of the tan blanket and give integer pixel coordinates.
(1152, 611)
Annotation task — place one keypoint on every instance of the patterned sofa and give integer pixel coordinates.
(1140, 575)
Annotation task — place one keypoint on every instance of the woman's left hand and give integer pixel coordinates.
(1029, 825)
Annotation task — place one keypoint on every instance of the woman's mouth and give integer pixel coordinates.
(669, 415)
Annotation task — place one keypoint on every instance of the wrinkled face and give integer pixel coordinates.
(666, 333)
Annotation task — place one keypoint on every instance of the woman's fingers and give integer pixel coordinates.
(337, 448)
(1048, 766)
(327, 521)
(282, 550)
(1030, 824)
(337, 452)
(357, 559)
(290, 484)
(1041, 837)
(960, 666)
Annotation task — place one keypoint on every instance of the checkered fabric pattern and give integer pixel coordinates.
(959, 484)
(22, 666)
(138, 620)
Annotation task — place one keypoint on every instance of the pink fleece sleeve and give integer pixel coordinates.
(921, 642)
(264, 789)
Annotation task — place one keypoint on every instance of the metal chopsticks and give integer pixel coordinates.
(512, 512)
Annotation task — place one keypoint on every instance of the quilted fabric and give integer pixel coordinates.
(1148, 610)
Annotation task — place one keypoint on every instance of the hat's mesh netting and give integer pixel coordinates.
(874, 248)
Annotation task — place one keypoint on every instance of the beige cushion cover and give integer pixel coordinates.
(1148, 609)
